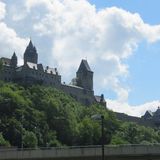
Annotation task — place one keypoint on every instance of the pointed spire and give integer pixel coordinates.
(30, 54)
(14, 54)
(30, 45)
(84, 66)
(14, 60)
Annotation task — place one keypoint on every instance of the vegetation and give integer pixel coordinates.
(39, 116)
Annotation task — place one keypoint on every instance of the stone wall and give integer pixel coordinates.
(138, 120)
(122, 152)
(82, 95)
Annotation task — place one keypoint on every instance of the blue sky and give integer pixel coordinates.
(119, 38)
(148, 9)
(144, 64)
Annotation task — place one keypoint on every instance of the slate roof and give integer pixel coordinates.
(149, 113)
(31, 49)
(46, 69)
(72, 86)
(84, 66)
(32, 65)
(51, 70)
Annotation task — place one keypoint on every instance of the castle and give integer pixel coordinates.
(31, 72)
(149, 119)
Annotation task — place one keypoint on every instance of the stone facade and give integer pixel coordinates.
(31, 73)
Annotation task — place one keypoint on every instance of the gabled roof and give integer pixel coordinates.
(84, 66)
(149, 113)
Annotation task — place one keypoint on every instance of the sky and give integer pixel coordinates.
(119, 38)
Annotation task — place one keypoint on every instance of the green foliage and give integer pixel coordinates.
(46, 117)
(3, 142)
(90, 132)
(52, 140)
(116, 139)
(30, 140)
(131, 133)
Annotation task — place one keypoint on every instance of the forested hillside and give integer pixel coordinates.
(39, 116)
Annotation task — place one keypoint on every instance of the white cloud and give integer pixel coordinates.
(77, 30)
(2, 10)
(9, 40)
(105, 37)
(138, 110)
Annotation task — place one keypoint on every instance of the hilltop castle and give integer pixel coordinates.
(149, 119)
(31, 72)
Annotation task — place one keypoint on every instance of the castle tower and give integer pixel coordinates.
(30, 54)
(85, 76)
(13, 62)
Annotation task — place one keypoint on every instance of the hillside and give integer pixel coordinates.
(43, 116)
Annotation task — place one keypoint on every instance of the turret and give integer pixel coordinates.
(30, 54)
(13, 62)
(85, 76)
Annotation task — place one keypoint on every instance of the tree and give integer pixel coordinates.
(52, 118)
(52, 140)
(89, 132)
(29, 140)
(116, 139)
(3, 142)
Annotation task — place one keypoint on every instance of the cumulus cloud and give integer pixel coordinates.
(105, 37)
(77, 30)
(2, 10)
(138, 110)
(9, 40)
